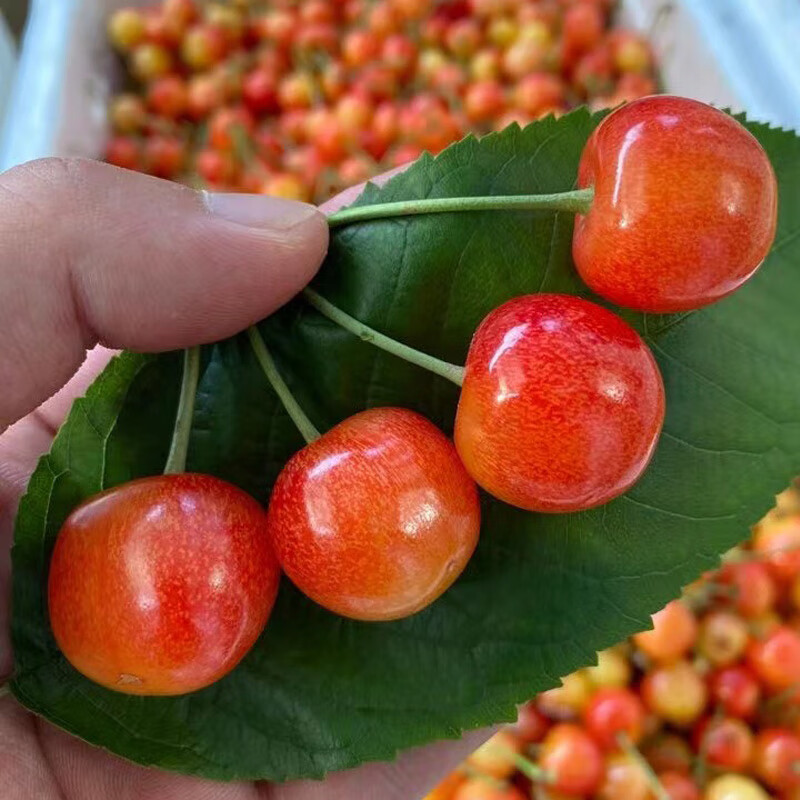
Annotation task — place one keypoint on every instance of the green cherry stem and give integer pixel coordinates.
(632, 751)
(176, 460)
(524, 765)
(578, 201)
(303, 423)
(453, 372)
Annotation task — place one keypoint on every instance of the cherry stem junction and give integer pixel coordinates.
(176, 460)
(577, 201)
(303, 423)
(453, 372)
(632, 751)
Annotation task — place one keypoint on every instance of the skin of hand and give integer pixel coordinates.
(94, 258)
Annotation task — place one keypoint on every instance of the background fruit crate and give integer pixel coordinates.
(735, 53)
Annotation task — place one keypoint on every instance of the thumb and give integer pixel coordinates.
(90, 253)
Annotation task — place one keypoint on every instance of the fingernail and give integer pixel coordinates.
(258, 210)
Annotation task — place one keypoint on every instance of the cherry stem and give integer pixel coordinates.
(303, 423)
(176, 460)
(632, 751)
(445, 369)
(524, 765)
(578, 201)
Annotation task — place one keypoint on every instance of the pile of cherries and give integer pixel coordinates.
(706, 705)
(301, 99)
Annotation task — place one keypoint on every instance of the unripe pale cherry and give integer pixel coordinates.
(685, 206)
(377, 517)
(561, 406)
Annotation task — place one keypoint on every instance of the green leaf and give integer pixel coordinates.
(542, 593)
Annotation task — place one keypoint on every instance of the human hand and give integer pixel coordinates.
(92, 255)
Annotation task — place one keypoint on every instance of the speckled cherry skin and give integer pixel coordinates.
(561, 406)
(685, 206)
(377, 517)
(161, 585)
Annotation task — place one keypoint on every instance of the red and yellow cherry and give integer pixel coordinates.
(168, 96)
(623, 779)
(124, 151)
(161, 586)
(613, 713)
(576, 385)
(722, 637)
(734, 787)
(679, 786)
(673, 635)
(776, 658)
(726, 743)
(128, 113)
(164, 155)
(568, 700)
(377, 517)
(776, 758)
(613, 670)
(735, 690)
(779, 545)
(481, 789)
(495, 757)
(753, 588)
(675, 692)
(126, 29)
(572, 760)
(685, 206)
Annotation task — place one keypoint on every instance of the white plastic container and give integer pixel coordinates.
(741, 54)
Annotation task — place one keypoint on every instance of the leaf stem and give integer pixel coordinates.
(453, 372)
(632, 751)
(578, 201)
(176, 460)
(303, 423)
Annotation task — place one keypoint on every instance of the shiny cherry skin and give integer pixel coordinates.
(675, 692)
(572, 760)
(735, 690)
(776, 760)
(734, 787)
(612, 713)
(679, 786)
(725, 743)
(160, 586)
(685, 206)
(776, 658)
(561, 405)
(377, 517)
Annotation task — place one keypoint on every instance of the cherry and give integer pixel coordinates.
(736, 690)
(538, 93)
(484, 100)
(778, 543)
(204, 94)
(572, 760)
(776, 758)
(463, 38)
(724, 743)
(399, 53)
(149, 61)
(572, 381)
(679, 786)
(673, 635)
(217, 167)
(668, 752)
(612, 713)
(128, 113)
(355, 169)
(734, 787)
(685, 206)
(446, 789)
(164, 155)
(582, 28)
(495, 757)
(525, 57)
(168, 96)
(613, 670)
(406, 531)
(286, 185)
(568, 700)
(160, 586)
(126, 29)
(631, 53)
(754, 590)
(124, 151)
(260, 91)
(675, 692)
(203, 46)
(624, 779)
(485, 65)
(776, 658)
(359, 47)
(531, 725)
(723, 638)
(481, 789)
(225, 123)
